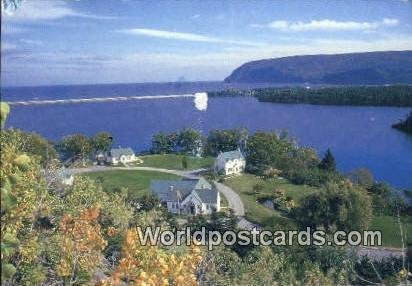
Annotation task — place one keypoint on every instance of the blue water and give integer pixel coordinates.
(357, 136)
(112, 90)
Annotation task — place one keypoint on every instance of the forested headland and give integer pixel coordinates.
(405, 125)
(396, 95)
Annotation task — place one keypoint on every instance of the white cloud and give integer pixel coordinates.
(390, 22)
(179, 36)
(31, 42)
(328, 25)
(45, 10)
(171, 35)
(7, 46)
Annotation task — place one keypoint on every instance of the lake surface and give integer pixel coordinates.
(357, 136)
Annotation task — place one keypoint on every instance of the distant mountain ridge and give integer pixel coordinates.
(390, 67)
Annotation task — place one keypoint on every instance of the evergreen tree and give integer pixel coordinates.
(328, 162)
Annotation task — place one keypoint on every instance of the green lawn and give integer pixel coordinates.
(172, 161)
(391, 234)
(255, 211)
(258, 213)
(137, 182)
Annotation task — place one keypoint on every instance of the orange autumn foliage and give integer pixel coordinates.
(81, 243)
(150, 265)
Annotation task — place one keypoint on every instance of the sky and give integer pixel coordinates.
(123, 41)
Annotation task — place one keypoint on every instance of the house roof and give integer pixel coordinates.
(208, 196)
(231, 155)
(174, 190)
(117, 152)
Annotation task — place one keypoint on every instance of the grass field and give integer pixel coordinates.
(172, 161)
(264, 216)
(137, 182)
(255, 211)
(391, 234)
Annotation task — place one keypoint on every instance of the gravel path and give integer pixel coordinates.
(191, 174)
(234, 201)
(378, 253)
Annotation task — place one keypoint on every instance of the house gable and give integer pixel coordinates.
(193, 197)
(232, 162)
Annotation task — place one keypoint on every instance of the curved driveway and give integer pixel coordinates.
(234, 201)
(192, 174)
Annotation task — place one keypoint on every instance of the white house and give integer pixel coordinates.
(230, 163)
(121, 155)
(187, 196)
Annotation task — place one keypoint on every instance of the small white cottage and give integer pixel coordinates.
(187, 196)
(230, 163)
(121, 155)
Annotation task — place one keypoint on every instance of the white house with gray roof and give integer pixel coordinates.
(121, 155)
(187, 196)
(230, 163)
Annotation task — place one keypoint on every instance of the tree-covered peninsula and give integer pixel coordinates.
(396, 95)
(405, 125)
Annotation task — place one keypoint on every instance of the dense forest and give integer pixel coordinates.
(396, 95)
(405, 125)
